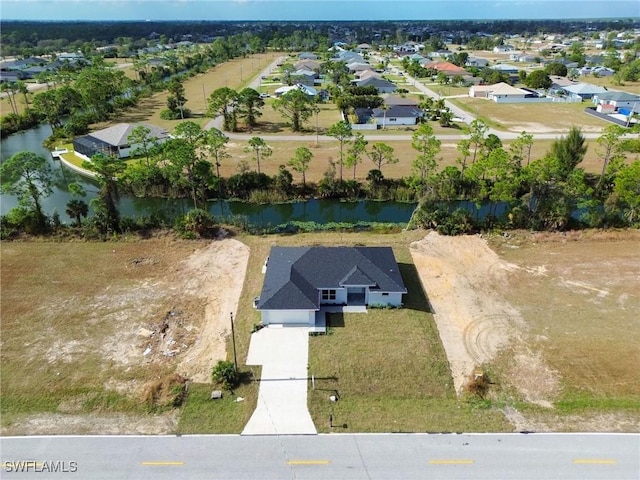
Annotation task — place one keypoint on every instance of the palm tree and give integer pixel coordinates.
(77, 209)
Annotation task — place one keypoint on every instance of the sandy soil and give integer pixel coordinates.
(463, 279)
(177, 322)
(217, 274)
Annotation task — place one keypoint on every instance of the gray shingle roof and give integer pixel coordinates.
(295, 274)
(618, 96)
(398, 111)
(376, 82)
(118, 135)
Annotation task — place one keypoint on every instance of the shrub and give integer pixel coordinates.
(197, 223)
(225, 374)
(478, 385)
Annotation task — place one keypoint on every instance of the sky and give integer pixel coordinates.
(265, 10)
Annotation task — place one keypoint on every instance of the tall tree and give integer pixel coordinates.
(224, 101)
(477, 132)
(107, 169)
(295, 105)
(609, 148)
(214, 143)
(77, 209)
(428, 146)
(250, 103)
(141, 136)
(176, 98)
(191, 132)
(300, 162)
(99, 85)
(569, 151)
(29, 177)
(382, 154)
(260, 149)
(520, 148)
(356, 150)
(10, 88)
(342, 132)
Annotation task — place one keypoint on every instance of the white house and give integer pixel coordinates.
(497, 92)
(300, 281)
(397, 115)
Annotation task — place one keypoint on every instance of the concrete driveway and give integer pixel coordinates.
(282, 399)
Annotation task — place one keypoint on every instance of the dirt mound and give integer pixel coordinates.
(463, 279)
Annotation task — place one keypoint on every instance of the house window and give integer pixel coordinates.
(385, 294)
(328, 295)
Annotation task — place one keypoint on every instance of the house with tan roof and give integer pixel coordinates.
(497, 92)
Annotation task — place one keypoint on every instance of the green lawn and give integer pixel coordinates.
(391, 372)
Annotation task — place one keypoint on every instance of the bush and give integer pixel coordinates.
(478, 385)
(197, 223)
(225, 374)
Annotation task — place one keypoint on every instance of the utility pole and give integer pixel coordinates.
(233, 340)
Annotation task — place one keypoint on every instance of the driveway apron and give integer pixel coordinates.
(282, 399)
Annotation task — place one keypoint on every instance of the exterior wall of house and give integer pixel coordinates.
(475, 93)
(384, 298)
(396, 121)
(288, 317)
(341, 297)
(387, 89)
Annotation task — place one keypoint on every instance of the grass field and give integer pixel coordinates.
(236, 74)
(283, 151)
(61, 321)
(538, 117)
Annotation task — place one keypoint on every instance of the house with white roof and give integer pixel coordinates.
(583, 90)
(114, 141)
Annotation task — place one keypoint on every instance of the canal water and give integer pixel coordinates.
(318, 211)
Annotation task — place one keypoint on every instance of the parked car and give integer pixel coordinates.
(264, 95)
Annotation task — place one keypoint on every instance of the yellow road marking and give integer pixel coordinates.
(308, 462)
(595, 461)
(154, 464)
(451, 462)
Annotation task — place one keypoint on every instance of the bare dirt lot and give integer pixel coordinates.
(85, 326)
(554, 316)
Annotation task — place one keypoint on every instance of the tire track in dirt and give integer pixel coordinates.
(463, 279)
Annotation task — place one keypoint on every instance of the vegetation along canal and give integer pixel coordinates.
(261, 215)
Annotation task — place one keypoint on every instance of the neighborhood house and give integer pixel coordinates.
(301, 281)
(115, 141)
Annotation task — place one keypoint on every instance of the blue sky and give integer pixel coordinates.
(314, 9)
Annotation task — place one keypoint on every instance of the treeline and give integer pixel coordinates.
(37, 38)
(513, 189)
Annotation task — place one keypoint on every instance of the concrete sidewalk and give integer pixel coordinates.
(282, 399)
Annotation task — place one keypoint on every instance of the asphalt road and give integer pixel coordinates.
(333, 456)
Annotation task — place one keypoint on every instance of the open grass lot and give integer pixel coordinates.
(581, 308)
(64, 308)
(236, 74)
(283, 151)
(534, 118)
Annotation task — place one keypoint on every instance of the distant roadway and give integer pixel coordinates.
(333, 456)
